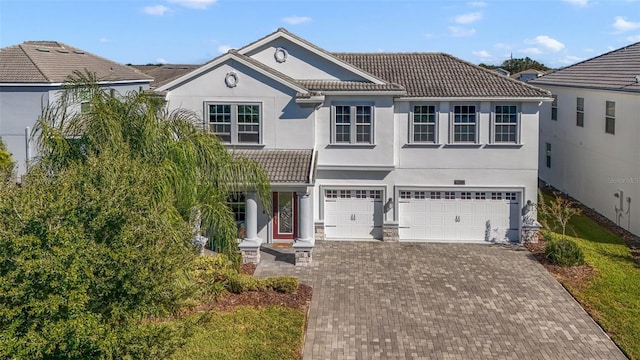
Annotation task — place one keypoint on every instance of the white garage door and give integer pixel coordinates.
(353, 214)
(459, 215)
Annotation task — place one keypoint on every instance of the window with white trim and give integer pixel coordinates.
(465, 125)
(505, 124)
(449, 195)
(548, 154)
(423, 124)
(235, 123)
(580, 112)
(352, 124)
(554, 108)
(435, 195)
(610, 118)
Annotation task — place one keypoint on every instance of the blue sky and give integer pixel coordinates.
(555, 32)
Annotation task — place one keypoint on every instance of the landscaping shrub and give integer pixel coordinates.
(284, 284)
(564, 252)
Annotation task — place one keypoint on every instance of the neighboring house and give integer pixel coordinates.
(527, 75)
(502, 71)
(589, 135)
(31, 77)
(362, 146)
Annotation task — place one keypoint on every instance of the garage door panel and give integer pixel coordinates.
(353, 214)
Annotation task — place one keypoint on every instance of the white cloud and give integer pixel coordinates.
(581, 3)
(224, 48)
(482, 54)
(570, 59)
(161, 61)
(531, 51)
(546, 42)
(622, 25)
(633, 38)
(295, 20)
(194, 4)
(428, 36)
(461, 32)
(502, 46)
(156, 10)
(468, 18)
(104, 40)
(477, 4)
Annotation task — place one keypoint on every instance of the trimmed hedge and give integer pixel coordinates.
(564, 252)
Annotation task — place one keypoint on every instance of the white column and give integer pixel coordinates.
(251, 216)
(305, 217)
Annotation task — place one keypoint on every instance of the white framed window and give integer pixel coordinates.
(435, 195)
(465, 124)
(236, 202)
(580, 112)
(481, 196)
(449, 195)
(554, 108)
(420, 195)
(496, 196)
(465, 195)
(405, 195)
(352, 124)
(423, 126)
(610, 118)
(235, 123)
(506, 124)
(548, 154)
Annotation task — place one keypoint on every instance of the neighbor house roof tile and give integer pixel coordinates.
(616, 70)
(283, 165)
(54, 62)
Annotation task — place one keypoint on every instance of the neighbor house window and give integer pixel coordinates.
(464, 124)
(235, 123)
(505, 124)
(554, 108)
(423, 124)
(580, 112)
(548, 154)
(610, 118)
(236, 202)
(353, 124)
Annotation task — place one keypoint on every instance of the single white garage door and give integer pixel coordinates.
(459, 215)
(353, 214)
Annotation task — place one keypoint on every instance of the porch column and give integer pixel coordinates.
(250, 245)
(305, 242)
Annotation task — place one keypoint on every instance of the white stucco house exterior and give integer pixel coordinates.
(31, 76)
(365, 146)
(589, 146)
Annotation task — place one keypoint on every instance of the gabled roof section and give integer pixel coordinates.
(438, 75)
(283, 33)
(47, 62)
(165, 73)
(245, 60)
(618, 70)
(283, 166)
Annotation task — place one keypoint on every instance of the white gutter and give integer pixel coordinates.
(477, 99)
(313, 161)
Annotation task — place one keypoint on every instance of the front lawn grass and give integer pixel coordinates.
(274, 332)
(612, 297)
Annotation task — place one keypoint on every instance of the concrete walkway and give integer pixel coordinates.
(374, 300)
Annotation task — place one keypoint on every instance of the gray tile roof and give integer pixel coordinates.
(323, 85)
(615, 70)
(439, 75)
(283, 165)
(53, 62)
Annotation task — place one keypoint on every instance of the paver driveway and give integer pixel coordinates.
(374, 300)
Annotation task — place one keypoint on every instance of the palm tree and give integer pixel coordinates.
(199, 172)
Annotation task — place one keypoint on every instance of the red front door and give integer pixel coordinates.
(285, 215)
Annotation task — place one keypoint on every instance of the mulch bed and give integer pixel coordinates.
(570, 276)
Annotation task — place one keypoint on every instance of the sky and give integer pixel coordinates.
(555, 32)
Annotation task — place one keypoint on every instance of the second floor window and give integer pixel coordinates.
(610, 118)
(505, 124)
(353, 124)
(235, 123)
(554, 108)
(464, 124)
(423, 124)
(580, 112)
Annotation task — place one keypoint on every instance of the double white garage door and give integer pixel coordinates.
(424, 215)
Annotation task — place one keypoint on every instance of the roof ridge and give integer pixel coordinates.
(33, 62)
(599, 56)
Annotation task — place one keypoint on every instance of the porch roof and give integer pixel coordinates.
(283, 166)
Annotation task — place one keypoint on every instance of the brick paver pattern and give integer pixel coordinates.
(374, 300)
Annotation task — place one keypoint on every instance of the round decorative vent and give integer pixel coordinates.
(281, 55)
(231, 79)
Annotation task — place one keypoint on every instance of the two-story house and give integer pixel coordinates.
(363, 146)
(589, 134)
(32, 75)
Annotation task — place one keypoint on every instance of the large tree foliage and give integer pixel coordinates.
(195, 167)
(518, 64)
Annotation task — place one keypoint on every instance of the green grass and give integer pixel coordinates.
(613, 295)
(274, 332)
